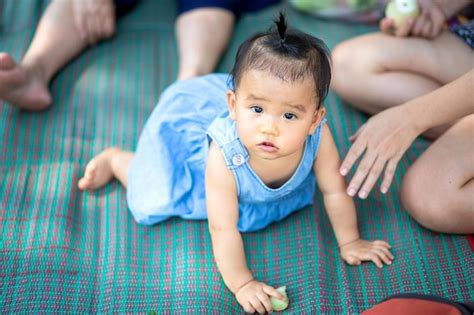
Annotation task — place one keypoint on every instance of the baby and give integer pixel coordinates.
(242, 157)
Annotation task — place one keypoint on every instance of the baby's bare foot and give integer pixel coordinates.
(21, 87)
(98, 171)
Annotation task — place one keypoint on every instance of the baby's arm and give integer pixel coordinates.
(227, 243)
(341, 209)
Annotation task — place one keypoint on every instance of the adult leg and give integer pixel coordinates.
(107, 165)
(56, 41)
(202, 36)
(438, 190)
(377, 71)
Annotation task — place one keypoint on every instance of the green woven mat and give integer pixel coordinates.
(62, 250)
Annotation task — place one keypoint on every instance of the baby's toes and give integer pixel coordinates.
(91, 170)
(84, 183)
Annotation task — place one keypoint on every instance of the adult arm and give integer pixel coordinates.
(385, 137)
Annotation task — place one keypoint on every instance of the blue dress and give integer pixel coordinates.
(166, 175)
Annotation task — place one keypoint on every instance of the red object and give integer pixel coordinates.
(470, 239)
(419, 304)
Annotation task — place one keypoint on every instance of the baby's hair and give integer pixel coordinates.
(287, 53)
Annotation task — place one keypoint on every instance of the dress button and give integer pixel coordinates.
(237, 159)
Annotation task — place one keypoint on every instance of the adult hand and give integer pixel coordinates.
(384, 138)
(361, 250)
(255, 296)
(94, 19)
(428, 24)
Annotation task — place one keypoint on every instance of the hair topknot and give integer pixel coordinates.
(281, 26)
(288, 54)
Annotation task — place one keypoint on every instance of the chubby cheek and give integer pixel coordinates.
(246, 132)
(293, 138)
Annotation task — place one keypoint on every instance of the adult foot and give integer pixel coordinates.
(21, 87)
(98, 171)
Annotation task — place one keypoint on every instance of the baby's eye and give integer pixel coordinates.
(289, 116)
(256, 109)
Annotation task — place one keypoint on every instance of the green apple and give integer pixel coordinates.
(280, 305)
(400, 10)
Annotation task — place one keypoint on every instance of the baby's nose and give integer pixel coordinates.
(269, 127)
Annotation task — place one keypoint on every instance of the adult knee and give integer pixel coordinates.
(342, 67)
(429, 208)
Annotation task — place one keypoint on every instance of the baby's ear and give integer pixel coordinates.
(317, 118)
(231, 103)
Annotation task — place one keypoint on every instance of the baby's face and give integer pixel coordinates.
(273, 116)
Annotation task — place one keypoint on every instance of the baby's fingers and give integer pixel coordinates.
(383, 256)
(273, 292)
(257, 304)
(265, 300)
(387, 252)
(382, 243)
(248, 308)
(352, 260)
(375, 259)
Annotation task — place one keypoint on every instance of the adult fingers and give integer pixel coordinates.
(356, 150)
(388, 174)
(374, 174)
(419, 25)
(435, 29)
(405, 28)
(265, 301)
(426, 31)
(272, 292)
(438, 18)
(362, 170)
(357, 133)
(387, 25)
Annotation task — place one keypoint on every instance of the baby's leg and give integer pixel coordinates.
(377, 71)
(438, 190)
(107, 165)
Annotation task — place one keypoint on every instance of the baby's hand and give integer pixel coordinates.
(361, 250)
(255, 296)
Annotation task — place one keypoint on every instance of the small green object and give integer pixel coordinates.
(280, 305)
(400, 10)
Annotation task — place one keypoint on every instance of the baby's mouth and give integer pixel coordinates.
(267, 146)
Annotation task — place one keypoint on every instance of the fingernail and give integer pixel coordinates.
(389, 263)
(363, 194)
(343, 171)
(384, 190)
(351, 192)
